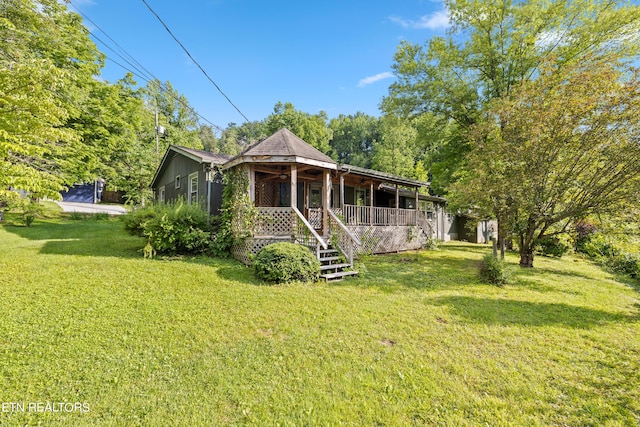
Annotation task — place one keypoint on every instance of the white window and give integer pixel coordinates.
(161, 194)
(193, 188)
(177, 181)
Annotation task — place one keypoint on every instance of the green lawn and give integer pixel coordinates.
(416, 340)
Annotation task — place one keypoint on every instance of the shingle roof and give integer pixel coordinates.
(204, 156)
(286, 143)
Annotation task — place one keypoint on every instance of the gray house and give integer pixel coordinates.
(304, 196)
(191, 174)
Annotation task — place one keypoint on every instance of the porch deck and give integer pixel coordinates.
(353, 229)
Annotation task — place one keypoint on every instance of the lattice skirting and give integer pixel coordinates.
(384, 239)
(251, 246)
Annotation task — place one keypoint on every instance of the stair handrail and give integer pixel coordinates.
(421, 220)
(353, 239)
(301, 217)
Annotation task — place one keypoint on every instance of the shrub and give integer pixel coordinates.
(598, 246)
(31, 209)
(136, 220)
(493, 270)
(286, 262)
(552, 246)
(583, 232)
(625, 263)
(177, 228)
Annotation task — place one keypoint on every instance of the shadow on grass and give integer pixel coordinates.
(416, 271)
(81, 238)
(524, 313)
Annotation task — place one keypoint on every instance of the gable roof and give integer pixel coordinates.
(199, 156)
(283, 146)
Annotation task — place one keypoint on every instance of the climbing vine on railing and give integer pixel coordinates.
(239, 215)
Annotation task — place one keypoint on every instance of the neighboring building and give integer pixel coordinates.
(303, 195)
(90, 192)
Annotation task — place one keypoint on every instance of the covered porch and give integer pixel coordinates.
(302, 195)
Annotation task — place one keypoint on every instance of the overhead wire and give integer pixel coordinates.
(142, 72)
(193, 59)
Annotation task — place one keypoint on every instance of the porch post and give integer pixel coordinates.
(371, 203)
(252, 184)
(326, 197)
(294, 186)
(342, 192)
(417, 207)
(397, 203)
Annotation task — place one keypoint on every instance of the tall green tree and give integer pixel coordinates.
(560, 148)
(395, 152)
(354, 137)
(47, 68)
(236, 138)
(312, 128)
(178, 118)
(490, 48)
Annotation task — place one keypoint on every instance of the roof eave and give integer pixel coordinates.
(383, 176)
(278, 159)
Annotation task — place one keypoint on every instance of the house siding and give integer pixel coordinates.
(182, 166)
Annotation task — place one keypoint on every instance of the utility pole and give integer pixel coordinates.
(160, 130)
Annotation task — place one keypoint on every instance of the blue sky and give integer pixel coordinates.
(331, 55)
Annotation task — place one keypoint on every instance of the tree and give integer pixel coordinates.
(47, 69)
(558, 149)
(354, 137)
(311, 128)
(394, 154)
(175, 114)
(491, 47)
(236, 138)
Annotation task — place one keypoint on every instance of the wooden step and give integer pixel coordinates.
(333, 266)
(329, 259)
(338, 275)
(328, 251)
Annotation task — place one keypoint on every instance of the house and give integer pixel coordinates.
(303, 195)
(192, 175)
(89, 192)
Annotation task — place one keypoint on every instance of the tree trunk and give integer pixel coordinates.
(526, 259)
(526, 253)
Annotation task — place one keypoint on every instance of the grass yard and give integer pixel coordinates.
(415, 340)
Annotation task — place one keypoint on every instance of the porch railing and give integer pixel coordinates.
(341, 236)
(305, 234)
(372, 215)
(287, 222)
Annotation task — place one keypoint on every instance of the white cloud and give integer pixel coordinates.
(433, 21)
(372, 79)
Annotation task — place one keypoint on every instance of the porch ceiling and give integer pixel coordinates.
(282, 172)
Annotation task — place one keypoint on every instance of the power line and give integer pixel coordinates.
(143, 73)
(194, 61)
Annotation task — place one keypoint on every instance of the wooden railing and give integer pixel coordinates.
(371, 215)
(425, 224)
(287, 222)
(342, 237)
(305, 234)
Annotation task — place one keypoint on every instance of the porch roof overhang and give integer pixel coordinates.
(406, 193)
(267, 159)
(283, 147)
(381, 176)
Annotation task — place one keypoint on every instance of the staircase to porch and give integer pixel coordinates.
(333, 266)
